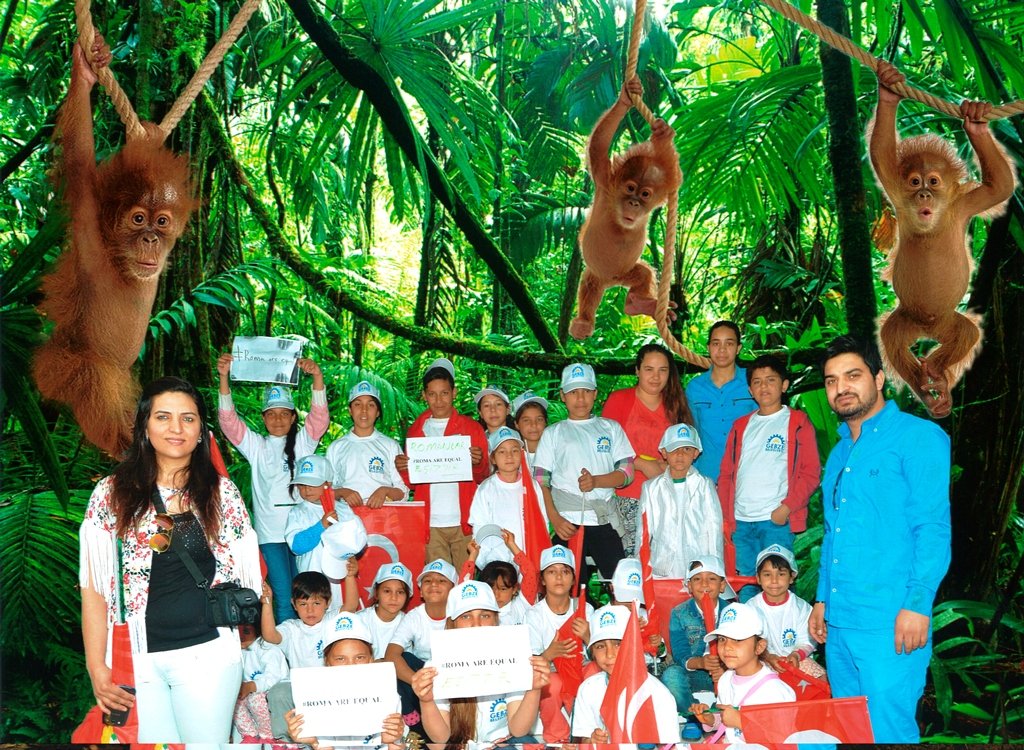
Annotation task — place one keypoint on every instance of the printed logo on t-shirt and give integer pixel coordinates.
(320, 648)
(498, 710)
(775, 444)
(376, 465)
(789, 637)
(604, 444)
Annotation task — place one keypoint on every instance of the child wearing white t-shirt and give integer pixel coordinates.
(769, 471)
(363, 459)
(747, 680)
(392, 589)
(607, 628)
(579, 463)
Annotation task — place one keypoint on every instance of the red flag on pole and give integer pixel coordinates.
(653, 626)
(216, 457)
(535, 528)
(709, 608)
(327, 499)
(843, 720)
(570, 668)
(628, 707)
(807, 687)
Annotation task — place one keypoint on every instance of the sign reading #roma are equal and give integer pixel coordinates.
(439, 459)
(265, 359)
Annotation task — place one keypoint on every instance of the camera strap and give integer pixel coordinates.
(179, 548)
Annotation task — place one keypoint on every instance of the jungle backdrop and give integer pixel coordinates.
(396, 180)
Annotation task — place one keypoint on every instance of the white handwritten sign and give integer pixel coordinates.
(344, 701)
(472, 662)
(439, 459)
(265, 359)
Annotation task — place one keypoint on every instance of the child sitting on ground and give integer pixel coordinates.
(684, 517)
(392, 589)
(409, 648)
(263, 666)
(348, 643)
(607, 628)
(784, 613)
(747, 680)
(694, 666)
(363, 459)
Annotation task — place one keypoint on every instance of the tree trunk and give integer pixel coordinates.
(368, 80)
(846, 155)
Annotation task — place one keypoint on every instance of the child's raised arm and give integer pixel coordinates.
(268, 627)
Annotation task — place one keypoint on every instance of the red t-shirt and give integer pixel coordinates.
(644, 428)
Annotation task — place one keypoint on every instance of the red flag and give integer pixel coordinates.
(327, 500)
(216, 457)
(653, 626)
(628, 707)
(807, 687)
(122, 672)
(570, 668)
(535, 529)
(831, 721)
(709, 608)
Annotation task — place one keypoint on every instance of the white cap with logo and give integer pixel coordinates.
(737, 621)
(444, 363)
(340, 541)
(346, 625)
(608, 622)
(778, 551)
(680, 435)
(578, 375)
(363, 388)
(393, 571)
(278, 397)
(313, 471)
(467, 596)
(557, 554)
(443, 567)
(528, 397)
(628, 581)
(711, 564)
(490, 390)
(502, 434)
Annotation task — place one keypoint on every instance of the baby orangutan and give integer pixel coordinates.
(626, 189)
(125, 217)
(930, 263)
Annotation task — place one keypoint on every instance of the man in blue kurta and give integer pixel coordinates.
(886, 546)
(719, 396)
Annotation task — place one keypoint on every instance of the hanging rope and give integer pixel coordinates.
(672, 217)
(844, 45)
(133, 127)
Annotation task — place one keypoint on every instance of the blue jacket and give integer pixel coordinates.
(686, 633)
(715, 409)
(887, 528)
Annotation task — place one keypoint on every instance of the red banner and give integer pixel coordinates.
(830, 721)
(394, 533)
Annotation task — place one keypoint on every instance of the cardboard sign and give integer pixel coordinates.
(264, 359)
(439, 459)
(472, 662)
(344, 701)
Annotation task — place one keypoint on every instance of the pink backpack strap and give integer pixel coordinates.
(721, 727)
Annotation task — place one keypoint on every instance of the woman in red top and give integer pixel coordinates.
(645, 412)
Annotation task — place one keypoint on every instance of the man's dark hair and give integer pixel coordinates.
(725, 324)
(770, 361)
(866, 349)
(437, 373)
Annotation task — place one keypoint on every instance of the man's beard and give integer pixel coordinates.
(857, 409)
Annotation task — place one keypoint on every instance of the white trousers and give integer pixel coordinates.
(189, 694)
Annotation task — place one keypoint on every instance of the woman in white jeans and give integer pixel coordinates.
(164, 497)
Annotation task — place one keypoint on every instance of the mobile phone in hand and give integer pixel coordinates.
(119, 717)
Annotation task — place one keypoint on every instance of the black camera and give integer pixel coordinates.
(228, 605)
(118, 717)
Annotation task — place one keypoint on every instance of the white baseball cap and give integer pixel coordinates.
(501, 435)
(711, 564)
(490, 390)
(779, 551)
(737, 621)
(393, 571)
(492, 545)
(527, 397)
(557, 554)
(278, 397)
(578, 375)
(443, 567)
(346, 625)
(467, 596)
(628, 581)
(363, 388)
(313, 471)
(680, 435)
(341, 541)
(608, 622)
(444, 363)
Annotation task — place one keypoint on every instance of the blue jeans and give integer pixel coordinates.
(280, 572)
(865, 662)
(683, 684)
(750, 538)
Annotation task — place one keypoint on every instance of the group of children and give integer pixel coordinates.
(566, 472)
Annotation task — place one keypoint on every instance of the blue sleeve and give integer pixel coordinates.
(927, 506)
(307, 539)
